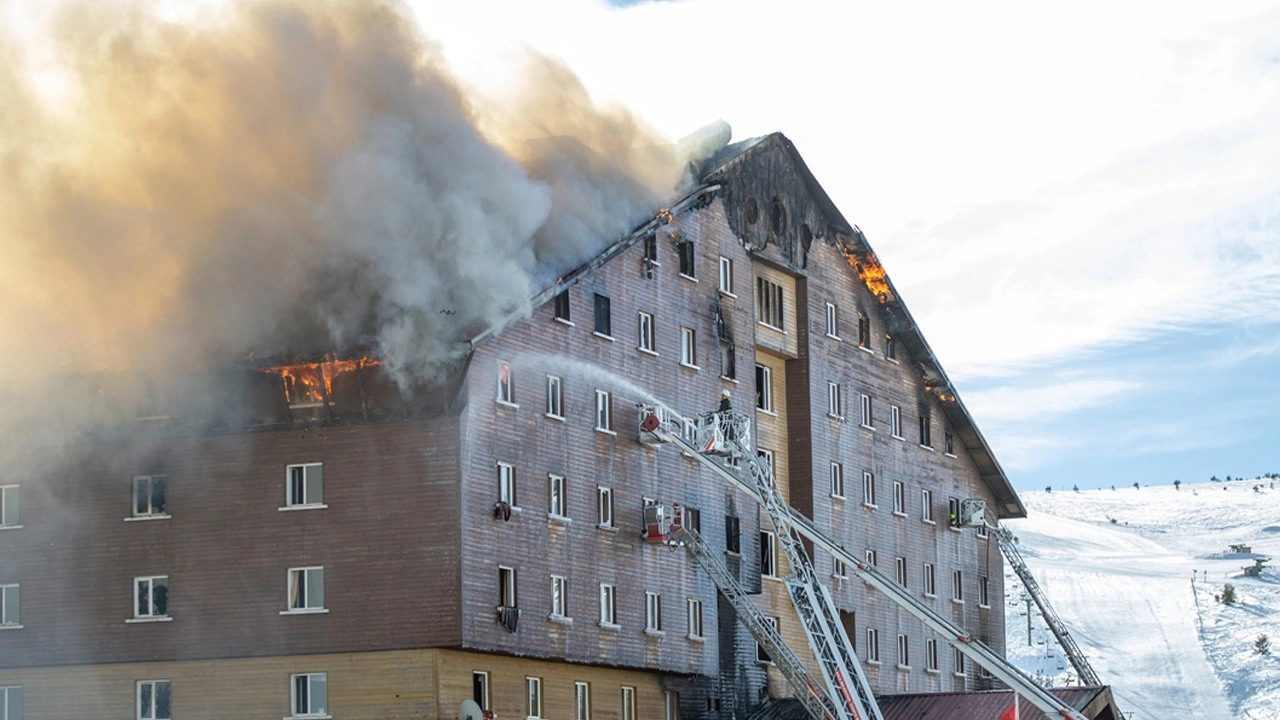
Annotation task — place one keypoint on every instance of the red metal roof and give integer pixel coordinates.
(985, 705)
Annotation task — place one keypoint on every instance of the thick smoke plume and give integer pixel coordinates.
(286, 177)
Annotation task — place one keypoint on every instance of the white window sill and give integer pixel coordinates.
(834, 337)
(560, 619)
(19, 527)
(691, 366)
(950, 455)
(931, 671)
(655, 633)
(602, 336)
(834, 496)
(899, 513)
(609, 626)
(305, 611)
(563, 321)
(508, 404)
(689, 277)
(954, 528)
(839, 578)
(729, 379)
(927, 521)
(135, 518)
(957, 601)
(11, 626)
(927, 447)
(902, 667)
(873, 662)
(931, 595)
(728, 294)
(958, 674)
(557, 418)
(158, 618)
(764, 663)
(774, 578)
(984, 607)
(606, 431)
(607, 528)
(895, 436)
(695, 638)
(515, 509)
(872, 506)
(287, 508)
(770, 413)
(733, 553)
(555, 519)
(865, 426)
(308, 717)
(647, 351)
(835, 416)
(866, 350)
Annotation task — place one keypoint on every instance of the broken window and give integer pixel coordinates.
(604, 319)
(506, 386)
(764, 388)
(926, 438)
(768, 555)
(769, 303)
(685, 249)
(152, 594)
(149, 496)
(762, 655)
(864, 332)
(507, 587)
(507, 483)
(728, 361)
(732, 534)
(562, 306)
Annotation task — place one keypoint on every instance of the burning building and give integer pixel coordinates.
(324, 540)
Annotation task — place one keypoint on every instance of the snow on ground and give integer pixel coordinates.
(1118, 566)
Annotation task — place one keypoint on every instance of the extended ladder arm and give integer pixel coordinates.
(665, 427)
(1005, 539)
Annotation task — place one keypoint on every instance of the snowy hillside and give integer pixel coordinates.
(1118, 566)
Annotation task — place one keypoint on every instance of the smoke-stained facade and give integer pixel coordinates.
(338, 546)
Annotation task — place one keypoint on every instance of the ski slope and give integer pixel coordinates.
(1118, 567)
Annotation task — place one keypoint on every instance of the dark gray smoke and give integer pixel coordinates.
(288, 177)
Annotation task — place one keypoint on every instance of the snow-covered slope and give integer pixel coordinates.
(1134, 574)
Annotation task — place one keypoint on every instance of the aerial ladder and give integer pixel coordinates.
(973, 514)
(715, 436)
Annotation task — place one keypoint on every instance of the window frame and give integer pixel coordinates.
(555, 397)
(762, 654)
(560, 308)
(869, 489)
(926, 430)
(533, 697)
(155, 713)
(733, 534)
(628, 709)
(873, 646)
(835, 405)
(895, 422)
(608, 605)
(864, 332)
(900, 570)
(984, 593)
(12, 607)
(957, 586)
(837, 480)
(726, 276)
(299, 587)
(559, 587)
(926, 506)
(602, 325)
(604, 412)
(506, 385)
(652, 612)
(508, 586)
(151, 513)
(307, 502)
(11, 506)
(930, 580)
(832, 317)
(605, 519)
(866, 412)
(904, 652)
(507, 487)
(689, 348)
(647, 339)
(687, 256)
(582, 700)
(295, 709)
(899, 498)
(693, 618)
(764, 388)
(557, 501)
(6, 691)
(770, 304)
(931, 655)
(958, 662)
(768, 555)
(152, 582)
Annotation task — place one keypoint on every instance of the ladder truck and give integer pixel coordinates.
(716, 437)
(973, 514)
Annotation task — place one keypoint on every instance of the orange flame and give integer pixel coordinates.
(872, 274)
(312, 383)
(664, 216)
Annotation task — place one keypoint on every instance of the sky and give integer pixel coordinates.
(1078, 203)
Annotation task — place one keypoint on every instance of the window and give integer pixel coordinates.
(867, 419)
(930, 581)
(507, 592)
(769, 310)
(148, 496)
(305, 485)
(868, 489)
(11, 702)
(629, 702)
(864, 332)
(480, 688)
(653, 611)
(604, 318)
(671, 705)
(837, 480)
(873, 645)
(849, 623)
(688, 347)
(904, 653)
(762, 655)
(984, 599)
(895, 421)
(10, 606)
(981, 531)
(957, 586)
(604, 411)
(931, 655)
(764, 388)
(555, 496)
(732, 534)
(555, 397)
(582, 701)
(839, 570)
(153, 700)
(310, 695)
(925, 438)
(768, 557)
(608, 604)
(834, 408)
(728, 361)
(890, 347)
(507, 483)
(766, 457)
(831, 322)
(506, 390)
(604, 502)
(533, 697)
(685, 250)
(693, 519)
(306, 588)
(647, 342)
(152, 595)
(957, 661)
(559, 599)
(926, 505)
(651, 249)
(948, 443)
(900, 570)
(694, 612)
(953, 512)
(9, 506)
(562, 306)
(871, 557)
(899, 498)
(726, 275)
